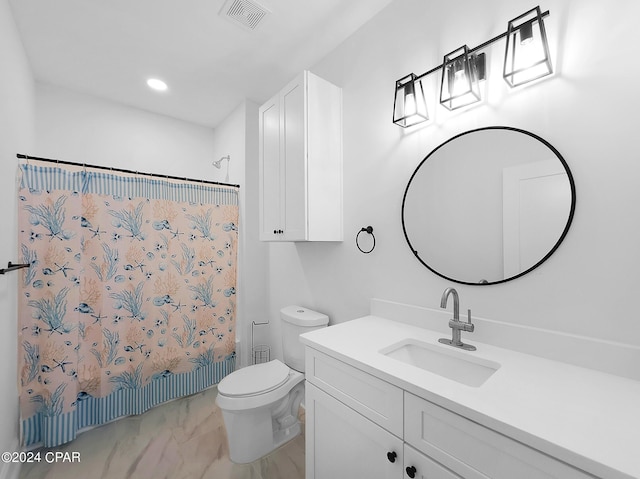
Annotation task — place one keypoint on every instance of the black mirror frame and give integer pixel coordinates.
(555, 247)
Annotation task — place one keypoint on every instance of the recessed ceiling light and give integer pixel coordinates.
(156, 84)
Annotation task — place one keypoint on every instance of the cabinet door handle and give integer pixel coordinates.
(411, 471)
(392, 456)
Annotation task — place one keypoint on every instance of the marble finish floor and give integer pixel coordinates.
(183, 439)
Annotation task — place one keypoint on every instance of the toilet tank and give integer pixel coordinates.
(297, 320)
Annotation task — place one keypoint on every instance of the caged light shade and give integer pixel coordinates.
(460, 84)
(527, 52)
(410, 106)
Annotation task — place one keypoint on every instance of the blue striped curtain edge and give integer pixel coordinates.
(39, 430)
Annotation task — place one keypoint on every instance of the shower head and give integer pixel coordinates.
(218, 163)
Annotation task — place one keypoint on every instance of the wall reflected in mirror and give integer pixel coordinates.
(488, 205)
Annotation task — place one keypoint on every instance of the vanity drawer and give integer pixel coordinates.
(374, 398)
(450, 438)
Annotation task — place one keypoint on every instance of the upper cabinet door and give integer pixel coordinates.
(301, 162)
(293, 161)
(269, 150)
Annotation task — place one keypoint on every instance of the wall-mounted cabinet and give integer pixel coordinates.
(301, 162)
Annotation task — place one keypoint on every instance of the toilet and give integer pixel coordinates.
(260, 403)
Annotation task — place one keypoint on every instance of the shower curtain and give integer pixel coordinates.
(130, 297)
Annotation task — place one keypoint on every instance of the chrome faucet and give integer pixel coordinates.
(455, 324)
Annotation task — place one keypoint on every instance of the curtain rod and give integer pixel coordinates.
(121, 170)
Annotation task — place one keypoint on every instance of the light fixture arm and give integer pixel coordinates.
(474, 49)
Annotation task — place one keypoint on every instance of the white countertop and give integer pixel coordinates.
(586, 418)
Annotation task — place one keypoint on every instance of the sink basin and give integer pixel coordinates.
(444, 361)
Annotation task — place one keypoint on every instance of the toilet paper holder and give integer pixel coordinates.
(260, 353)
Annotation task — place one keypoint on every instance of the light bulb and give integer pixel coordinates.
(460, 84)
(157, 84)
(410, 106)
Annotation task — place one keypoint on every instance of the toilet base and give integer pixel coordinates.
(256, 432)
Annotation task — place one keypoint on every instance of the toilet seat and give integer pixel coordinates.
(254, 380)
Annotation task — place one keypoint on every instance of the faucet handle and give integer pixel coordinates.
(469, 327)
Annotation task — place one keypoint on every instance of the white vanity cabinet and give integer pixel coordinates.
(421, 466)
(300, 162)
(473, 450)
(358, 425)
(353, 422)
(354, 426)
(345, 443)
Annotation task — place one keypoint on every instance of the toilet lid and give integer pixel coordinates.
(253, 380)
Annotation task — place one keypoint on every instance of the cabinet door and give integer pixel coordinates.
(269, 150)
(293, 173)
(340, 443)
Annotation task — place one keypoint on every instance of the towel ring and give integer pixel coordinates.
(368, 229)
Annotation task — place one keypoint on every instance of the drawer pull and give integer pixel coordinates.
(411, 471)
(392, 456)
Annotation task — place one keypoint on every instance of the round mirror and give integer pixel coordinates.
(488, 205)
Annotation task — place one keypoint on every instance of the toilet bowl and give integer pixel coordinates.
(260, 403)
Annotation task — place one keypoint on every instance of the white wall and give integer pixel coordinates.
(237, 136)
(16, 135)
(229, 139)
(81, 128)
(256, 259)
(588, 111)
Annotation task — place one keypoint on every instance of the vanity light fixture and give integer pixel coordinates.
(526, 59)
(410, 107)
(461, 75)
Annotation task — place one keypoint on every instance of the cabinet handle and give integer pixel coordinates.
(392, 456)
(411, 471)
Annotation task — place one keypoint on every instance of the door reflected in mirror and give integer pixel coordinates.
(488, 205)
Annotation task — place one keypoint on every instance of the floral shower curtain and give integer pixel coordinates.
(130, 297)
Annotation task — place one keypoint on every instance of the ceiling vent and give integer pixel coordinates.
(246, 13)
